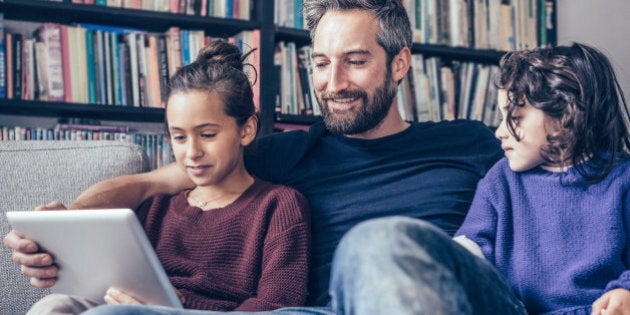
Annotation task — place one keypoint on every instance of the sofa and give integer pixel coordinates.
(33, 173)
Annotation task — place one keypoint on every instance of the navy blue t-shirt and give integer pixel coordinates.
(428, 171)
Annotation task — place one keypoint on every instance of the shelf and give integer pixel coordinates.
(67, 13)
(100, 112)
(299, 36)
(302, 37)
(459, 53)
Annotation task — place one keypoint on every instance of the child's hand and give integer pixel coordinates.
(115, 296)
(613, 302)
(54, 205)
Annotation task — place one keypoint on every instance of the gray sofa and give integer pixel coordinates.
(33, 173)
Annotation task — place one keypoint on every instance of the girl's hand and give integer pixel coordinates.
(613, 302)
(115, 296)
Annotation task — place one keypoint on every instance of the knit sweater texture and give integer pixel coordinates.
(560, 243)
(251, 255)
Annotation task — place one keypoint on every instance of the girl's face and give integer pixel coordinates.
(207, 143)
(531, 126)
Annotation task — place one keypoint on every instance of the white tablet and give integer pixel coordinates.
(96, 250)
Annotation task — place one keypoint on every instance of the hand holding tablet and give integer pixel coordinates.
(96, 250)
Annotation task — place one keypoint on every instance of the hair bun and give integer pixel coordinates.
(220, 51)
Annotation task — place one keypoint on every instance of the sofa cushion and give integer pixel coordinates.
(33, 173)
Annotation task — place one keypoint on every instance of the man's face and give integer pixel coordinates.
(351, 77)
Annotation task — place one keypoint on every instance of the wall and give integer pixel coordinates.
(603, 24)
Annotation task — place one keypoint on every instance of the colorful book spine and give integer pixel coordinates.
(91, 71)
(65, 61)
(50, 35)
(3, 87)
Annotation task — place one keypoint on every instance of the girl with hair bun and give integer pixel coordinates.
(231, 241)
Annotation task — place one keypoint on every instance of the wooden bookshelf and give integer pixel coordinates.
(262, 18)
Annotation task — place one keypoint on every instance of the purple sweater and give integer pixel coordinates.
(561, 245)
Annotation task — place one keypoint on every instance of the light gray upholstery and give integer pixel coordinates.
(33, 173)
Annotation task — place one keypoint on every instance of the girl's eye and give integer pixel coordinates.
(208, 135)
(177, 138)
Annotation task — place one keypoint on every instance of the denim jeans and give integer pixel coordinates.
(159, 310)
(400, 265)
(395, 266)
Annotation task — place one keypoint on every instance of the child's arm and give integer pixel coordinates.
(480, 224)
(616, 300)
(284, 270)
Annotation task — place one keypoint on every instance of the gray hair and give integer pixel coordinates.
(394, 26)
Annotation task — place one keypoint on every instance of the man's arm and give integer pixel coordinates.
(128, 191)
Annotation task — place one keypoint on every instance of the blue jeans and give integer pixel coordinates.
(400, 265)
(395, 265)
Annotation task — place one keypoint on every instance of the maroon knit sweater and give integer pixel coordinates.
(251, 255)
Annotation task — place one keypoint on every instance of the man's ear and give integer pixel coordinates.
(401, 64)
(249, 130)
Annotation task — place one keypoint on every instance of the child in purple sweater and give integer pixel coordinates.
(553, 216)
(550, 223)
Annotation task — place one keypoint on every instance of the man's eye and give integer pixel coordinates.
(357, 62)
(177, 137)
(208, 135)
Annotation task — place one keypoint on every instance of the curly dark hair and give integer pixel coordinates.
(577, 88)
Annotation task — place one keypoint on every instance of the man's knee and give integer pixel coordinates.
(382, 235)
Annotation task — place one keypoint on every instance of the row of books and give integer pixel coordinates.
(293, 69)
(437, 90)
(95, 64)
(157, 146)
(288, 13)
(482, 24)
(235, 9)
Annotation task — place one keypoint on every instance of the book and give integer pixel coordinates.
(18, 52)
(65, 62)
(28, 84)
(50, 35)
(8, 40)
(3, 87)
(163, 71)
(90, 67)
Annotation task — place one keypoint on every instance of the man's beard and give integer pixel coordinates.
(363, 118)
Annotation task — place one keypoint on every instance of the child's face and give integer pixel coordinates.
(530, 126)
(207, 143)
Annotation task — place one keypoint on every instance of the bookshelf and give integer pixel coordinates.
(262, 19)
(484, 49)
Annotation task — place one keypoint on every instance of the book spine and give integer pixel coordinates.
(3, 87)
(51, 36)
(17, 65)
(163, 71)
(8, 40)
(65, 63)
(90, 63)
